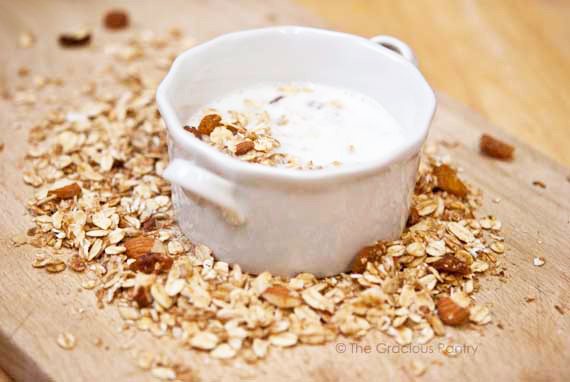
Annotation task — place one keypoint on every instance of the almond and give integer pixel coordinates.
(244, 147)
(116, 19)
(451, 313)
(66, 192)
(451, 264)
(281, 297)
(495, 148)
(209, 123)
(143, 245)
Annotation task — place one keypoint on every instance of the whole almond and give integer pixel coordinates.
(451, 264)
(143, 245)
(495, 148)
(116, 19)
(450, 313)
(66, 192)
(244, 147)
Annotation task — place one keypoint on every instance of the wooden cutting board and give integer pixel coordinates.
(526, 341)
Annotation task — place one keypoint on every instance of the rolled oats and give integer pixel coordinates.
(105, 200)
(66, 341)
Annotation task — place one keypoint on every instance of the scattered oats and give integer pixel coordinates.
(26, 40)
(260, 347)
(173, 287)
(204, 341)
(97, 233)
(175, 247)
(416, 249)
(145, 359)
(66, 341)
(159, 294)
(115, 249)
(538, 261)
(498, 247)
(461, 232)
(396, 250)
(116, 236)
(480, 314)
(128, 313)
(418, 368)
(283, 339)
(101, 221)
(316, 300)
(223, 351)
(101, 167)
(261, 283)
(163, 373)
(479, 266)
(436, 248)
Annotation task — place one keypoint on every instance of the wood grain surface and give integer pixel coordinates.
(508, 60)
(529, 344)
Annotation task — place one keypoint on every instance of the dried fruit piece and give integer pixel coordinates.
(362, 257)
(66, 192)
(451, 264)
(116, 19)
(142, 296)
(149, 225)
(78, 38)
(152, 262)
(244, 147)
(448, 180)
(209, 123)
(281, 297)
(451, 313)
(495, 148)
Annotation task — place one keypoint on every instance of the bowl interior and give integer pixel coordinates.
(287, 54)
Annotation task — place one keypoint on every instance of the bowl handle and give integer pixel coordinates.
(205, 184)
(397, 46)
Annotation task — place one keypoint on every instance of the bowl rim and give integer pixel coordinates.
(245, 171)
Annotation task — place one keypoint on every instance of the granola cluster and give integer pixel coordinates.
(248, 135)
(101, 209)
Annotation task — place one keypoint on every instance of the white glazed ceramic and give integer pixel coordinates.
(291, 221)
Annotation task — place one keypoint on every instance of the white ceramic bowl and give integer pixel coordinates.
(282, 220)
